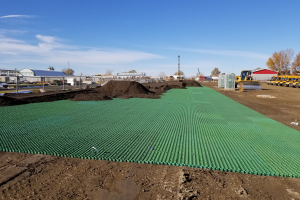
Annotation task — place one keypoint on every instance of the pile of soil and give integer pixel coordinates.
(112, 89)
(191, 83)
(123, 88)
(18, 99)
(8, 101)
(160, 88)
(117, 89)
(91, 96)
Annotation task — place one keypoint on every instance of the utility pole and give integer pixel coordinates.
(80, 80)
(44, 83)
(178, 66)
(17, 80)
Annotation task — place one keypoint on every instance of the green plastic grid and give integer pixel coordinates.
(196, 127)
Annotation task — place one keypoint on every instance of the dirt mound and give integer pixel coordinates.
(92, 96)
(8, 101)
(121, 88)
(191, 83)
(160, 88)
(117, 89)
(18, 99)
(112, 89)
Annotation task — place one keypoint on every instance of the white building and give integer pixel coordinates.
(177, 76)
(130, 75)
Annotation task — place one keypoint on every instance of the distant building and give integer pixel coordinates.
(263, 74)
(201, 78)
(7, 74)
(215, 77)
(177, 77)
(208, 78)
(130, 75)
(104, 76)
(34, 75)
(38, 72)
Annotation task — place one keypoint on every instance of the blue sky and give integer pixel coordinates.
(146, 35)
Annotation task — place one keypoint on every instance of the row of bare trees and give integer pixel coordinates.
(284, 63)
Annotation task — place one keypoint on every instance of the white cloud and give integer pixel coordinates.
(4, 39)
(47, 39)
(16, 16)
(6, 31)
(49, 50)
(50, 42)
(227, 53)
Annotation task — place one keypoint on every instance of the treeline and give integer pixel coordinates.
(284, 63)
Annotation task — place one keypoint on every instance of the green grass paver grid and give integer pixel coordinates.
(196, 127)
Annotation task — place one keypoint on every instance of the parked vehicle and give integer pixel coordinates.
(296, 82)
(290, 81)
(272, 79)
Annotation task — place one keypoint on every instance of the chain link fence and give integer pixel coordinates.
(56, 84)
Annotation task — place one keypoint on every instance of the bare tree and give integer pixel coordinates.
(132, 71)
(109, 72)
(68, 71)
(161, 74)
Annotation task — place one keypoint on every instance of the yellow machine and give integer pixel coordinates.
(246, 79)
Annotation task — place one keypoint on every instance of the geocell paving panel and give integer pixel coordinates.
(196, 127)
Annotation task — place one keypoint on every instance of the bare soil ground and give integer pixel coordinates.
(27, 176)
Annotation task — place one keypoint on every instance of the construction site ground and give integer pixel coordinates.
(28, 176)
(285, 108)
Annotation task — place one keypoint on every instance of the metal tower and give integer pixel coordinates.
(178, 66)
